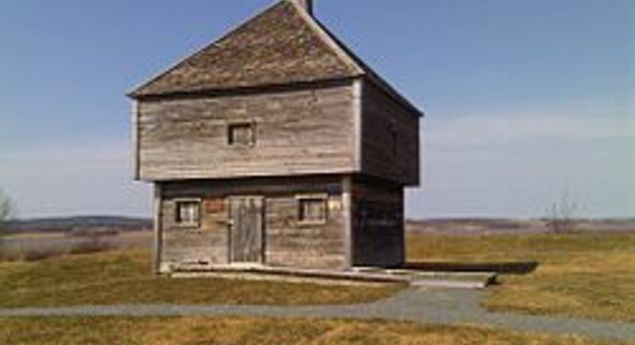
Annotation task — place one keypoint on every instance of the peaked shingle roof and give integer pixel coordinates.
(281, 45)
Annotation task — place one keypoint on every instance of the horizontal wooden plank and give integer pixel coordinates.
(390, 138)
(378, 224)
(297, 132)
(286, 242)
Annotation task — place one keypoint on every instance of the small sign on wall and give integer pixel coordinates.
(335, 205)
(215, 205)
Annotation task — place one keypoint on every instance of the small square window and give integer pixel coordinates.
(241, 134)
(312, 210)
(188, 213)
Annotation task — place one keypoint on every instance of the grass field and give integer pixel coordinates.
(125, 278)
(589, 275)
(30, 246)
(582, 275)
(242, 331)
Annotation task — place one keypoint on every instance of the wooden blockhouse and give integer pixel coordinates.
(276, 146)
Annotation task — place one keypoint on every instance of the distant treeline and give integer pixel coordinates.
(501, 225)
(78, 224)
(449, 225)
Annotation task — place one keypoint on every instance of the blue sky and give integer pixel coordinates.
(525, 100)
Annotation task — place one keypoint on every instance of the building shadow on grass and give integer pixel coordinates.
(495, 267)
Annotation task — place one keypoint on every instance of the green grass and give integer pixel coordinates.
(244, 331)
(125, 278)
(589, 275)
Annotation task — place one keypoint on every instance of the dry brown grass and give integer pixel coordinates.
(125, 278)
(589, 275)
(40, 246)
(40, 249)
(246, 331)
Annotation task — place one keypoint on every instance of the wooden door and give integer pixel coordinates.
(246, 221)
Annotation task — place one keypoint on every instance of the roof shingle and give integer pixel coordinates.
(279, 46)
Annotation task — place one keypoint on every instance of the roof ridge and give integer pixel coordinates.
(363, 66)
(203, 47)
(338, 48)
(280, 45)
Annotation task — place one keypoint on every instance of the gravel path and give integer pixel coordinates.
(433, 306)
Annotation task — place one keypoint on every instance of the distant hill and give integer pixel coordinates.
(450, 226)
(74, 224)
(493, 226)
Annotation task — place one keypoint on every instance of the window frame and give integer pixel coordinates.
(177, 214)
(322, 198)
(231, 126)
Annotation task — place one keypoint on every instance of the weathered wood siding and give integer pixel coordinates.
(246, 229)
(193, 247)
(292, 244)
(381, 155)
(304, 131)
(286, 242)
(378, 223)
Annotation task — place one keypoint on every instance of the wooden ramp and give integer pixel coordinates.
(358, 275)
